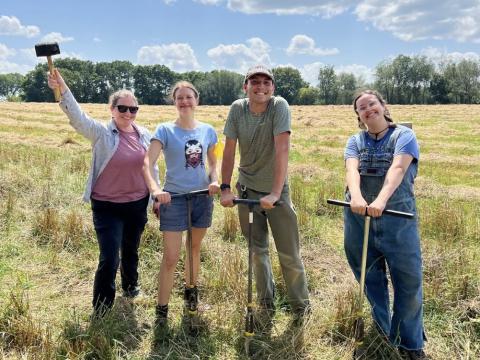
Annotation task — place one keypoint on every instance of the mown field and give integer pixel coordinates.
(48, 250)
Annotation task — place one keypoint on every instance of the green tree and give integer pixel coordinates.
(288, 82)
(327, 84)
(10, 85)
(347, 85)
(153, 83)
(80, 77)
(468, 74)
(308, 96)
(111, 77)
(220, 87)
(384, 80)
(34, 86)
(439, 89)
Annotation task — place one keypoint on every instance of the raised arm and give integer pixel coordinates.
(80, 121)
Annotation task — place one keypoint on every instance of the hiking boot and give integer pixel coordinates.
(412, 354)
(301, 315)
(161, 323)
(263, 319)
(190, 298)
(131, 292)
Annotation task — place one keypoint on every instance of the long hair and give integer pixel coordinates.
(375, 93)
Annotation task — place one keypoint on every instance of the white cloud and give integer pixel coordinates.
(7, 67)
(97, 40)
(439, 56)
(424, 19)
(408, 20)
(324, 8)
(310, 72)
(10, 25)
(56, 37)
(209, 2)
(362, 71)
(305, 45)
(5, 52)
(176, 56)
(239, 57)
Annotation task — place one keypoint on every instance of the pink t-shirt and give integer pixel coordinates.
(122, 180)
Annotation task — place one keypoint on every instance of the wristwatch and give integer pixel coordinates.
(224, 186)
(154, 198)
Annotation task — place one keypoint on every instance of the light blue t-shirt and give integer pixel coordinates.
(185, 153)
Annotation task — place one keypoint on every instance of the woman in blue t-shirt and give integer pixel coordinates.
(381, 164)
(188, 148)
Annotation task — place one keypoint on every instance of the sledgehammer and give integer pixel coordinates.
(49, 49)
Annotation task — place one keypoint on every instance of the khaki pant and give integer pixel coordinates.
(283, 224)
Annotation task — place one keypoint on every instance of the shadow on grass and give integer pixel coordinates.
(117, 332)
(185, 341)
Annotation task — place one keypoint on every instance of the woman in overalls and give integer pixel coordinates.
(381, 164)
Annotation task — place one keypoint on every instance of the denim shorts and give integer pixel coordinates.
(173, 216)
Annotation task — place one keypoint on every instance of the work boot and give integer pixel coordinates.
(263, 318)
(190, 298)
(161, 323)
(412, 354)
(131, 292)
(300, 315)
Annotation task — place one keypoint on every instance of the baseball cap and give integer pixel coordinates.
(258, 69)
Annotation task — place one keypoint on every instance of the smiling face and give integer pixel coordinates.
(259, 88)
(185, 100)
(370, 111)
(124, 120)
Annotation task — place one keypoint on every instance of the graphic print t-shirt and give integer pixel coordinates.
(185, 153)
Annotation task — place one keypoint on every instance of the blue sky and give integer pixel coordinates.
(203, 35)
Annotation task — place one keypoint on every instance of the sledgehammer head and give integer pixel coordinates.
(47, 49)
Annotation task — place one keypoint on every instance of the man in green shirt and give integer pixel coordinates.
(261, 124)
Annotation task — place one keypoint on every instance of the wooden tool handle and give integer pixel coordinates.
(56, 91)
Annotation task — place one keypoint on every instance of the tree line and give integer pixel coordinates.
(402, 80)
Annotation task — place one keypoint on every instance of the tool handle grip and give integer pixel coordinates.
(387, 212)
(253, 202)
(190, 194)
(56, 91)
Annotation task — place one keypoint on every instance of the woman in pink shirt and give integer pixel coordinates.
(115, 187)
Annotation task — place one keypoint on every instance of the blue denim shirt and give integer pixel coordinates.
(104, 138)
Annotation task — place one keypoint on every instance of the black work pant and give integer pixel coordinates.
(119, 227)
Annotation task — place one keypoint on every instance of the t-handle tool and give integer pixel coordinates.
(359, 323)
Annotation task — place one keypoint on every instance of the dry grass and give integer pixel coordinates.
(48, 251)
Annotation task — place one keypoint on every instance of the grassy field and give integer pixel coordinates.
(48, 250)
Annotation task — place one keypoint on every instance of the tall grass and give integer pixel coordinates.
(48, 250)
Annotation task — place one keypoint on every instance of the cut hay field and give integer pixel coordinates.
(48, 250)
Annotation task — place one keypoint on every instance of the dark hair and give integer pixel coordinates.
(375, 93)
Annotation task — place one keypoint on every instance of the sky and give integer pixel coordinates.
(204, 35)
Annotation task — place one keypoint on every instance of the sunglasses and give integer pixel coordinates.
(124, 108)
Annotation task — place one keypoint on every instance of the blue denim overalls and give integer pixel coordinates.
(393, 241)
